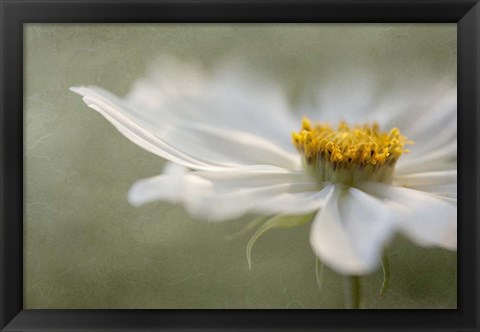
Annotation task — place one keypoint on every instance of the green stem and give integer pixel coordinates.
(354, 292)
(319, 273)
(386, 273)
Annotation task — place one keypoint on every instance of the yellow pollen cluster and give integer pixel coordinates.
(349, 147)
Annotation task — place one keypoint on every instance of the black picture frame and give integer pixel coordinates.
(14, 13)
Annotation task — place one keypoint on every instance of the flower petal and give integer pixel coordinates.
(432, 125)
(435, 116)
(349, 233)
(191, 145)
(439, 159)
(442, 183)
(229, 147)
(426, 219)
(231, 97)
(330, 104)
(446, 191)
(107, 105)
(226, 195)
(166, 187)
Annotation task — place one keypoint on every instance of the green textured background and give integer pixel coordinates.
(85, 247)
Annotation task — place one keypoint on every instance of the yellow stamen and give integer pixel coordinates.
(350, 153)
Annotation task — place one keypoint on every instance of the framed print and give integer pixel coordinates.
(240, 158)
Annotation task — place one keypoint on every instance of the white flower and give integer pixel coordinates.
(228, 140)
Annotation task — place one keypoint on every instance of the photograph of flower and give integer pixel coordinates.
(251, 166)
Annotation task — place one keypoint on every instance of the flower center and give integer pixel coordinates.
(349, 154)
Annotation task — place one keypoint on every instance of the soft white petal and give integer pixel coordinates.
(426, 178)
(414, 110)
(432, 125)
(191, 145)
(219, 196)
(170, 185)
(167, 79)
(350, 232)
(430, 153)
(234, 204)
(446, 191)
(228, 147)
(106, 104)
(297, 203)
(424, 218)
(231, 97)
(249, 176)
(348, 96)
(439, 159)
(166, 187)
(441, 183)
(359, 96)
(433, 117)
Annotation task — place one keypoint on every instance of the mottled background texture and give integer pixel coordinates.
(86, 247)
